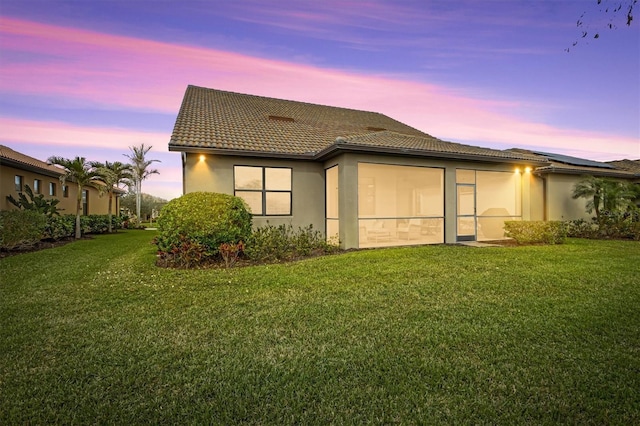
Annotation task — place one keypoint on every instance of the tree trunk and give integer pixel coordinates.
(138, 200)
(78, 209)
(110, 203)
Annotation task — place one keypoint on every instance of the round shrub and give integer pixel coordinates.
(205, 219)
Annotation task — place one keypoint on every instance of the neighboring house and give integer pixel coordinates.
(632, 166)
(363, 177)
(560, 175)
(18, 170)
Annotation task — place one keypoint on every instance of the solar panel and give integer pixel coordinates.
(574, 161)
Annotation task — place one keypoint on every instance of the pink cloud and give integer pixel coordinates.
(52, 133)
(112, 71)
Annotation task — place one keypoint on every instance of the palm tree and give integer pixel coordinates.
(112, 175)
(619, 195)
(591, 188)
(80, 172)
(604, 194)
(141, 171)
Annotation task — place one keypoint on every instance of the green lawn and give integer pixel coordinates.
(93, 332)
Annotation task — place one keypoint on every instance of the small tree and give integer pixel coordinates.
(112, 175)
(37, 203)
(79, 171)
(148, 203)
(141, 171)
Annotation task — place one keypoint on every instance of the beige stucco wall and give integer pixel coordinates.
(215, 174)
(560, 204)
(533, 197)
(97, 204)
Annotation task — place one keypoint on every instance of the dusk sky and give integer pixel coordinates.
(91, 78)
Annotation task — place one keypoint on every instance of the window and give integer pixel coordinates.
(37, 186)
(19, 180)
(65, 191)
(52, 188)
(267, 190)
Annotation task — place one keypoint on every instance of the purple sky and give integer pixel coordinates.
(92, 78)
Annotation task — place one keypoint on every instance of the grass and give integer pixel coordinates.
(93, 332)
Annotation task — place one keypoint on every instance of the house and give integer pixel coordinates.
(363, 177)
(18, 170)
(632, 166)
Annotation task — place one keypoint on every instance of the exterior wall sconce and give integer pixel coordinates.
(527, 170)
(202, 157)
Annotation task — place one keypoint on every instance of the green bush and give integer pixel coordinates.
(99, 223)
(21, 229)
(536, 232)
(275, 243)
(619, 225)
(610, 225)
(60, 227)
(204, 218)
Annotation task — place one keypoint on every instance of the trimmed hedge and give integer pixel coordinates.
(59, 227)
(21, 229)
(24, 229)
(536, 232)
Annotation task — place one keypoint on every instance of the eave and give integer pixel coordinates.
(30, 168)
(569, 171)
(338, 148)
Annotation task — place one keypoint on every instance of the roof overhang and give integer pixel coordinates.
(339, 148)
(241, 153)
(568, 171)
(30, 168)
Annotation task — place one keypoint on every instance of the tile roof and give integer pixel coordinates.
(628, 165)
(239, 123)
(235, 123)
(594, 171)
(556, 167)
(217, 119)
(435, 146)
(21, 160)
